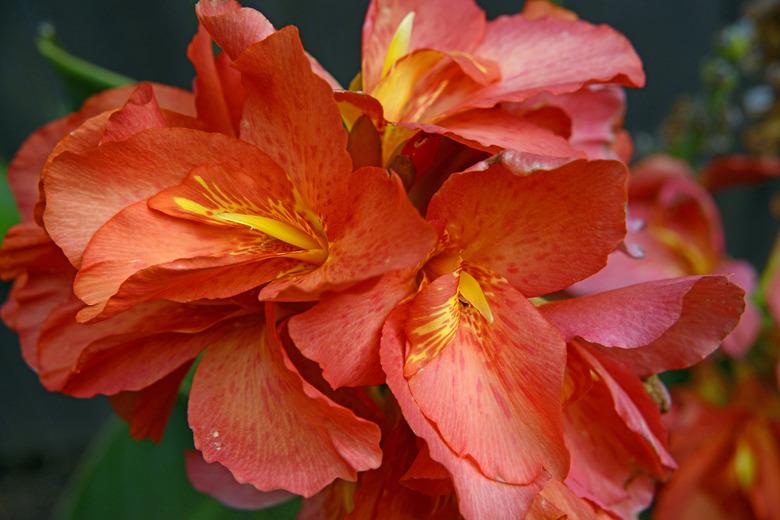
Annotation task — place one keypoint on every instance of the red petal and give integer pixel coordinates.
(147, 411)
(478, 496)
(542, 230)
(216, 480)
(252, 412)
(582, 54)
(654, 326)
(83, 191)
(492, 390)
(445, 25)
(342, 331)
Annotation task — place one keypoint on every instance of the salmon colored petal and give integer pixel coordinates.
(614, 435)
(369, 200)
(442, 25)
(596, 114)
(140, 112)
(582, 54)
(147, 411)
(139, 238)
(556, 500)
(293, 117)
(341, 332)
(495, 129)
(542, 230)
(215, 480)
(153, 159)
(478, 496)
(655, 326)
(252, 412)
(493, 390)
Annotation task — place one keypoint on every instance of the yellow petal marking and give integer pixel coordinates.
(399, 44)
(275, 228)
(470, 290)
(744, 464)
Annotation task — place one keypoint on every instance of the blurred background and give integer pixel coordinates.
(44, 436)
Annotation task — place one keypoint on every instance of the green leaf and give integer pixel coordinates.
(81, 78)
(120, 478)
(8, 214)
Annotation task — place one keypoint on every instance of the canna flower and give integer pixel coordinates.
(441, 67)
(679, 234)
(179, 207)
(478, 369)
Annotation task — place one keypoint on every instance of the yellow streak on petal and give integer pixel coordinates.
(399, 45)
(433, 335)
(275, 228)
(470, 290)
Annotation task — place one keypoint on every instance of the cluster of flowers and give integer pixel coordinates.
(395, 295)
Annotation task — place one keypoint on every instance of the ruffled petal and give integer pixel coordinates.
(85, 190)
(252, 412)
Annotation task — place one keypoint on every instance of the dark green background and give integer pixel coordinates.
(42, 435)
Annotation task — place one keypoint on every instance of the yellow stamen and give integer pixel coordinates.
(744, 465)
(470, 290)
(274, 228)
(399, 45)
(692, 254)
